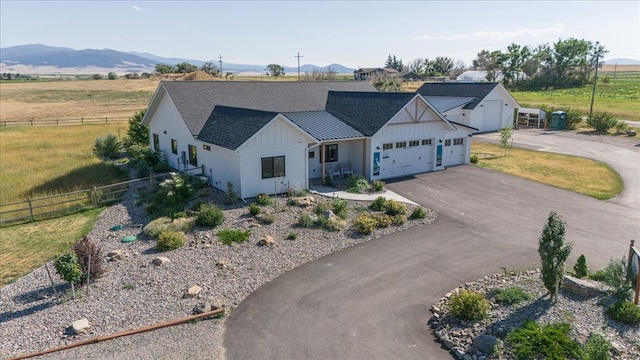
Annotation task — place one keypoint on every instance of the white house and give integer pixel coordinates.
(266, 136)
(484, 106)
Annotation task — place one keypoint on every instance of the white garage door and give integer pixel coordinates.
(491, 115)
(454, 151)
(409, 157)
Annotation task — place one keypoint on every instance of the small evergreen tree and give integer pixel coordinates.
(580, 268)
(553, 253)
(67, 267)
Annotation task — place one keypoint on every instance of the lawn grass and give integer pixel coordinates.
(24, 248)
(583, 176)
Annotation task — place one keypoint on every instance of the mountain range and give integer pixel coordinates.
(43, 59)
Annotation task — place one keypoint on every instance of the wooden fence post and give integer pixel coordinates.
(30, 210)
(94, 196)
(82, 121)
(106, 120)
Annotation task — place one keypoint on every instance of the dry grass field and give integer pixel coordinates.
(40, 100)
(620, 68)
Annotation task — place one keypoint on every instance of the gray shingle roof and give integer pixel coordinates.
(322, 125)
(230, 127)
(366, 112)
(476, 90)
(446, 103)
(196, 99)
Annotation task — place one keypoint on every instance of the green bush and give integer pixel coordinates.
(173, 195)
(398, 220)
(379, 204)
(469, 305)
(170, 240)
(155, 227)
(378, 185)
(298, 192)
(474, 159)
(580, 268)
(228, 236)
(108, 147)
(597, 348)
(327, 181)
(230, 196)
(382, 220)
(306, 221)
(263, 199)
(266, 218)
(615, 275)
(597, 276)
(548, 342)
(357, 184)
(625, 312)
(209, 215)
(320, 208)
(332, 224)
(601, 122)
(418, 213)
(510, 295)
(66, 266)
(364, 224)
(574, 117)
(292, 236)
(393, 208)
(254, 209)
(340, 207)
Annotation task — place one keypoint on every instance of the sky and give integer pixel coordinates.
(351, 33)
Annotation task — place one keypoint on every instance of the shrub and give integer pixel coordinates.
(173, 195)
(379, 204)
(377, 185)
(327, 181)
(89, 253)
(625, 312)
(615, 275)
(340, 207)
(601, 122)
(548, 342)
(364, 224)
(292, 236)
(597, 275)
(357, 184)
(228, 236)
(398, 220)
(230, 196)
(182, 224)
(266, 218)
(474, 159)
(108, 147)
(332, 224)
(320, 208)
(209, 215)
(580, 268)
(263, 199)
(254, 209)
(298, 192)
(66, 266)
(393, 208)
(155, 227)
(510, 295)
(170, 240)
(382, 220)
(597, 348)
(306, 221)
(418, 213)
(469, 305)
(574, 117)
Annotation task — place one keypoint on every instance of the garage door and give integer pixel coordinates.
(454, 151)
(491, 115)
(402, 158)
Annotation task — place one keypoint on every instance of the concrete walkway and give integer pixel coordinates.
(334, 193)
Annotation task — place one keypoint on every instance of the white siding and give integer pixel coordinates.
(220, 166)
(277, 138)
(494, 112)
(167, 119)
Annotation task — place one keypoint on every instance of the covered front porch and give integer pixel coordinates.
(338, 159)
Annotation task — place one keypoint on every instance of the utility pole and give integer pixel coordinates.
(220, 61)
(595, 80)
(298, 56)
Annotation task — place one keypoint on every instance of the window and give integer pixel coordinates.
(402, 144)
(447, 142)
(156, 142)
(414, 143)
(426, 142)
(206, 147)
(174, 146)
(312, 154)
(388, 146)
(458, 141)
(272, 167)
(193, 155)
(330, 153)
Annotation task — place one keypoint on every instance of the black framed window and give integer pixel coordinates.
(413, 143)
(272, 167)
(312, 154)
(458, 141)
(330, 153)
(174, 146)
(156, 142)
(426, 142)
(193, 155)
(387, 146)
(447, 142)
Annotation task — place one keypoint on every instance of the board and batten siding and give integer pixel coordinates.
(221, 165)
(167, 119)
(278, 138)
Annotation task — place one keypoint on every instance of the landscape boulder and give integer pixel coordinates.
(304, 201)
(581, 287)
(161, 260)
(116, 255)
(192, 292)
(485, 343)
(80, 326)
(266, 240)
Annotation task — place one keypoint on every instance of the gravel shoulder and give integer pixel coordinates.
(135, 293)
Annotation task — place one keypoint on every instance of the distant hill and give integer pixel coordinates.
(621, 61)
(43, 59)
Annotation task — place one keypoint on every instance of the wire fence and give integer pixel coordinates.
(65, 121)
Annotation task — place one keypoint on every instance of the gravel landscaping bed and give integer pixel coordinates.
(135, 293)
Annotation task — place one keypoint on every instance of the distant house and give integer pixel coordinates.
(368, 73)
(483, 105)
(410, 75)
(264, 137)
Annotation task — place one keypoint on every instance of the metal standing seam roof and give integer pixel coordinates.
(322, 125)
(446, 103)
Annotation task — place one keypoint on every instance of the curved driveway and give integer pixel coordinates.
(371, 301)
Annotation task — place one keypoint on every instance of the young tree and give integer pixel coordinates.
(210, 69)
(275, 70)
(505, 137)
(138, 133)
(553, 253)
(185, 68)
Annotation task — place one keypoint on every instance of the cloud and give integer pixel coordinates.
(136, 8)
(497, 35)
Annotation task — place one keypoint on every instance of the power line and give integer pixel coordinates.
(220, 61)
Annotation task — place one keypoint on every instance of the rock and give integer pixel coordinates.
(115, 255)
(581, 287)
(329, 214)
(448, 343)
(434, 309)
(617, 348)
(303, 201)
(266, 240)
(485, 343)
(222, 263)
(80, 326)
(458, 352)
(631, 133)
(192, 292)
(161, 260)
(202, 308)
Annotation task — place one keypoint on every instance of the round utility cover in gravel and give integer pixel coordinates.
(129, 239)
(116, 228)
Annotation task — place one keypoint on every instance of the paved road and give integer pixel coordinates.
(371, 301)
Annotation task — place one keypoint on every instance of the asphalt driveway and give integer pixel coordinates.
(371, 301)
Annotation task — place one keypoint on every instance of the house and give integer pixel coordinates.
(266, 137)
(369, 73)
(484, 106)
